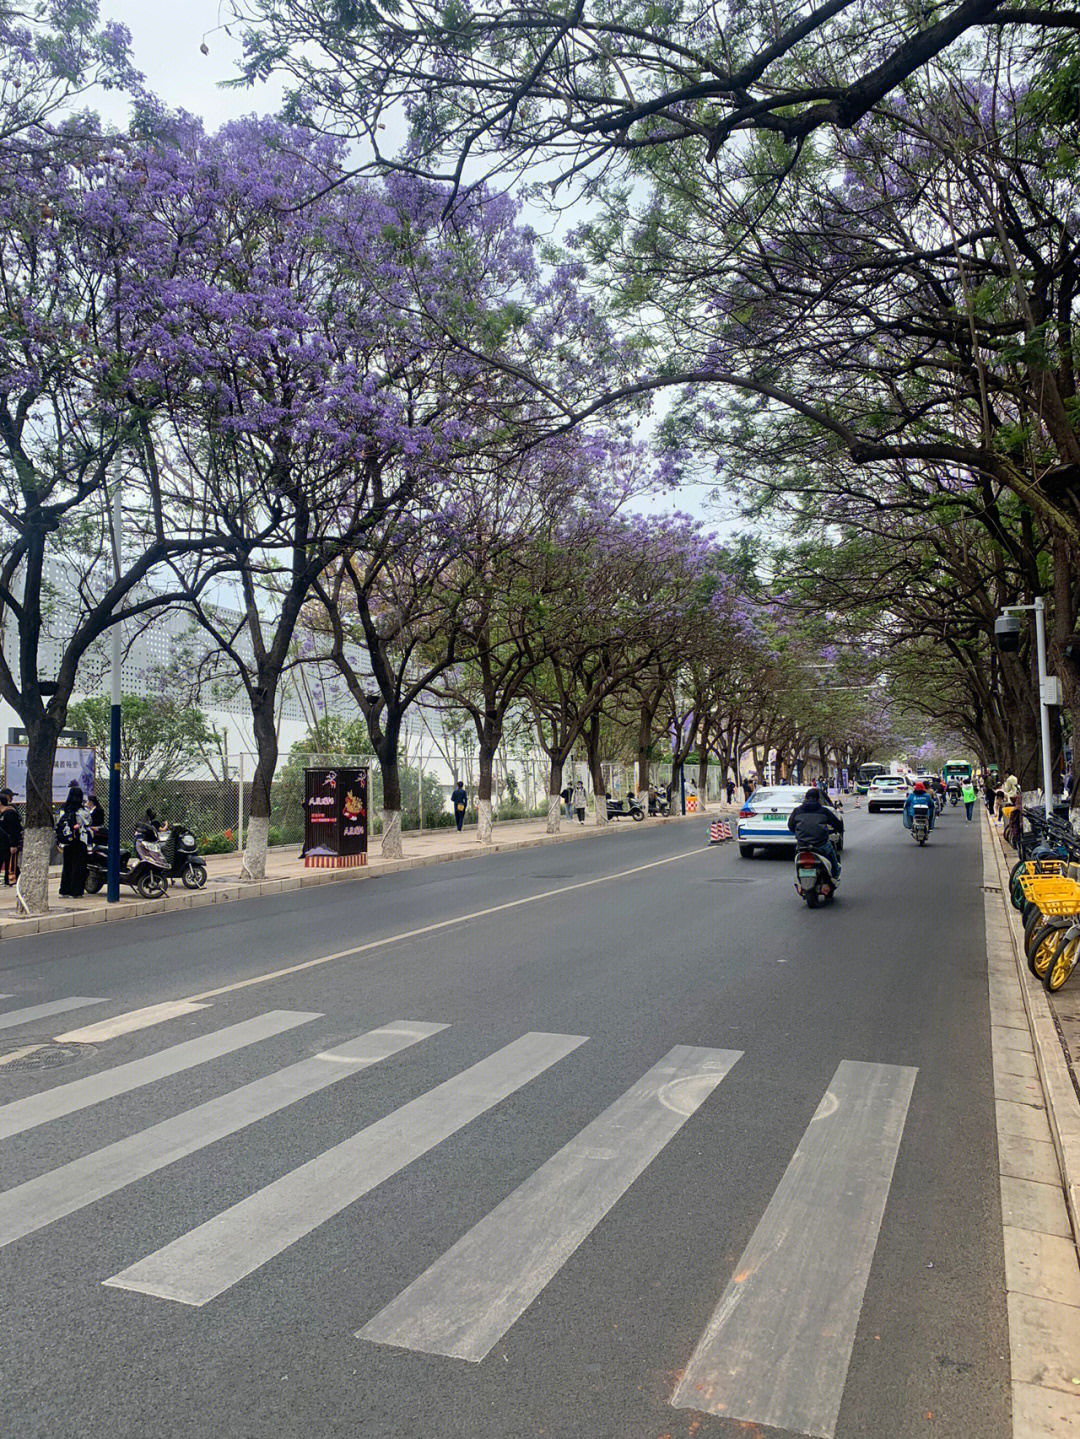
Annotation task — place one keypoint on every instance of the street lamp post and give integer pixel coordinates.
(1008, 637)
(112, 892)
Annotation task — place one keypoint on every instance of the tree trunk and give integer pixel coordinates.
(32, 890)
(703, 778)
(644, 742)
(596, 769)
(391, 780)
(555, 784)
(483, 793)
(253, 868)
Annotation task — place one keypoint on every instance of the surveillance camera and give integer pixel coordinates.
(1007, 632)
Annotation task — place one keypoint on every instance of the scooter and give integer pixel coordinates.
(954, 796)
(181, 849)
(920, 826)
(616, 809)
(146, 872)
(814, 880)
(659, 804)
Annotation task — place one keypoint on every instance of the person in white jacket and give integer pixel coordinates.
(580, 801)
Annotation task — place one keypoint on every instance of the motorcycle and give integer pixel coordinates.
(181, 849)
(920, 826)
(146, 871)
(617, 809)
(814, 881)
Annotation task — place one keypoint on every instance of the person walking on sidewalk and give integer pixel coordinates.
(580, 801)
(459, 798)
(730, 790)
(967, 794)
(11, 836)
(988, 792)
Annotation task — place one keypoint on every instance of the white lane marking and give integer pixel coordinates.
(777, 1348)
(129, 1022)
(14, 1054)
(35, 1109)
(33, 1205)
(13, 1017)
(218, 1254)
(468, 1299)
(440, 924)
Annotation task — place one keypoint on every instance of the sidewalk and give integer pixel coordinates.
(285, 870)
(1038, 1127)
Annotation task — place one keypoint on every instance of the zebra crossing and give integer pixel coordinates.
(777, 1347)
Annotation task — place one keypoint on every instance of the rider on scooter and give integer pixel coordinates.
(813, 827)
(919, 797)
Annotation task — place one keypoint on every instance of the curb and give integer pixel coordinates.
(1062, 1101)
(230, 893)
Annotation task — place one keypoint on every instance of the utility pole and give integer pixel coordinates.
(116, 680)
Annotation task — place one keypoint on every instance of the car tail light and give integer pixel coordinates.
(747, 813)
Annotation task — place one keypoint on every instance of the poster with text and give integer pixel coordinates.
(71, 766)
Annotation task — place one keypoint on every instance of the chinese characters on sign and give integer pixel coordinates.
(335, 817)
(71, 766)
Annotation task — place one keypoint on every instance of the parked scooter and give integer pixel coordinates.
(659, 804)
(618, 809)
(814, 880)
(146, 871)
(181, 849)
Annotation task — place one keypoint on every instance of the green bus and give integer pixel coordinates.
(959, 769)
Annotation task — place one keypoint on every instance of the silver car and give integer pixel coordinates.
(763, 819)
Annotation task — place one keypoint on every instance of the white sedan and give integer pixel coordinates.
(887, 791)
(763, 819)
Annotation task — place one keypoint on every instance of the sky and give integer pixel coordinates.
(166, 36)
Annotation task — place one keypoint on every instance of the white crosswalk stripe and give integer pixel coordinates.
(775, 1351)
(197, 1267)
(38, 1202)
(777, 1348)
(11, 1018)
(35, 1109)
(469, 1298)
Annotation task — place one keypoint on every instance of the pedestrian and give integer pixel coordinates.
(747, 788)
(566, 794)
(580, 801)
(11, 836)
(988, 792)
(459, 798)
(72, 833)
(967, 794)
(730, 790)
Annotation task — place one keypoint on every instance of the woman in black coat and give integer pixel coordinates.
(11, 836)
(71, 839)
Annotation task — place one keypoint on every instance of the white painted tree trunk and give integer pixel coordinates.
(483, 821)
(32, 890)
(601, 809)
(253, 869)
(554, 810)
(391, 834)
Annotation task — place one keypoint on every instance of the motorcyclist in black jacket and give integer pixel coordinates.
(813, 826)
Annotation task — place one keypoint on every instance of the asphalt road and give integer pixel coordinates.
(745, 1162)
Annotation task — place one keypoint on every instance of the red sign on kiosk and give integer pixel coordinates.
(335, 818)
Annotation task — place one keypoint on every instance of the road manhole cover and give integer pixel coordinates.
(46, 1056)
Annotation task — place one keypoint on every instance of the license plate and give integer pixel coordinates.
(808, 874)
(772, 816)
